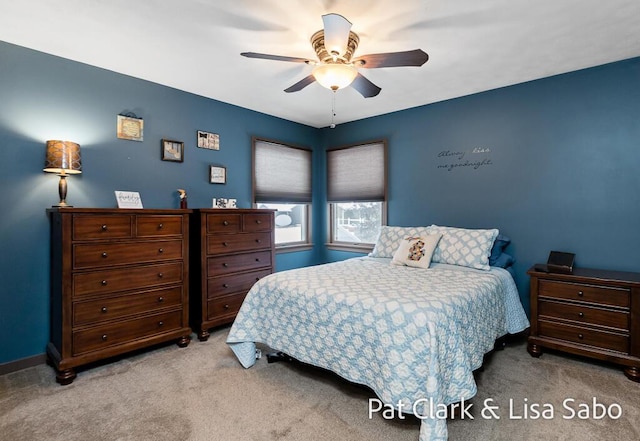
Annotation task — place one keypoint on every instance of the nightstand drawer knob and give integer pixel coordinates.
(225, 244)
(225, 223)
(225, 285)
(160, 275)
(160, 250)
(104, 309)
(258, 241)
(104, 337)
(257, 259)
(581, 314)
(160, 226)
(104, 227)
(580, 293)
(104, 255)
(160, 323)
(104, 283)
(226, 265)
(226, 306)
(258, 221)
(160, 299)
(580, 336)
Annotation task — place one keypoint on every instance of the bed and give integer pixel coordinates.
(413, 334)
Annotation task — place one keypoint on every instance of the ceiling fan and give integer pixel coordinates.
(335, 69)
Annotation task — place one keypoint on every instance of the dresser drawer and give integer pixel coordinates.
(125, 279)
(97, 311)
(584, 293)
(257, 222)
(224, 285)
(220, 265)
(586, 336)
(101, 337)
(87, 227)
(223, 223)
(108, 254)
(222, 306)
(223, 243)
(584, 314)
(152, 226)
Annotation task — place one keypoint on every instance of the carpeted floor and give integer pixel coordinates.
(201, 393)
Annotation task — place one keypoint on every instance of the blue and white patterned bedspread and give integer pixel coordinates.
(410, 334)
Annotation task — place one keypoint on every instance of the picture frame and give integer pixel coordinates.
(208, 140)
(224, 203)
(128, 199)
(130, 127)
(217, 174)
(172, 150)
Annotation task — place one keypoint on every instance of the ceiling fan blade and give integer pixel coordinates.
(366, 88)
(336, 33)
(415, 57)
(277, 57)
(300, 84)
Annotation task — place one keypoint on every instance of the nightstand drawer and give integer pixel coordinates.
(87, 227)
(102, 282)
(584, 314)
(224, 285)
(228, 305)
(239, 262)
(257, 222)
(108, 254)
(151, 226)
(97, 311)
(223, 223)
(230, 243)
(113, 334)
(586, 336)
(584, 293)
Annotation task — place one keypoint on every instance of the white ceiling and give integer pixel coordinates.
(195, 45)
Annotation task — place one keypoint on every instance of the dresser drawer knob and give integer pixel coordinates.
(104, 337)
(580, 293)
(257, 278)
(160, 250)
(225, 223)
(104, 309)
(258, 241)
(257, 259)
(104, 255)
(225, 244)
(581, 314)
(226, 265)
(580, 336)
(258, 221)
(104, 227)
(160, 323)
(160, 299)
(160, 226)
(160, 275)
(104, 283)
(225, 285)
(226, 306)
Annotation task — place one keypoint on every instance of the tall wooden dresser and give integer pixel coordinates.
(593, 313)
(234, 249)
(119, 282)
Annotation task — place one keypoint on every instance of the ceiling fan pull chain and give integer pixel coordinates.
(333, 110)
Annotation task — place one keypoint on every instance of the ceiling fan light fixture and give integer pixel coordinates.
(335, 76)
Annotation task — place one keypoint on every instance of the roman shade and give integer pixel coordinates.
(357, 173)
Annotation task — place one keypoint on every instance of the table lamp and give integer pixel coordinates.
(63, 158)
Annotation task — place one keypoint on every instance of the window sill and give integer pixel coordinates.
(352, 247)
(293, 248)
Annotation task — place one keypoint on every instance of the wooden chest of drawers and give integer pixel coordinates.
(234, 248)
(119, 282)
(593, 313)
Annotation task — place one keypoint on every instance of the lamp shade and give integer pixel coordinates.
(63, 157)
(335, 76)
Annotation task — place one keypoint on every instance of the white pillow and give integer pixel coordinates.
(416, 251)
(390, 237)
(464, 247)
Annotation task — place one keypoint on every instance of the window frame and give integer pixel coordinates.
(358, 247)
(306, 243)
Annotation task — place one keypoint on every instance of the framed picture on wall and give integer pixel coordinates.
(217, 174)
(172, 150)
(208, 140)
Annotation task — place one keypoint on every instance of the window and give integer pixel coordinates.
(357, 194)
(282, 181)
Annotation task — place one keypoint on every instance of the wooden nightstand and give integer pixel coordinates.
(593, 313)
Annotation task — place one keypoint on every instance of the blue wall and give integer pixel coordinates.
(564, 171)
(561, 171)
(45, 97)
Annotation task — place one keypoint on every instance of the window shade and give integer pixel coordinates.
(357, 173)
(282, 173)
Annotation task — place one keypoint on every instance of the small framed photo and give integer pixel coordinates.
(128, 199)
(130, 128)
(217, 174)
(208, 140)
(172, 150)
(224, 203)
